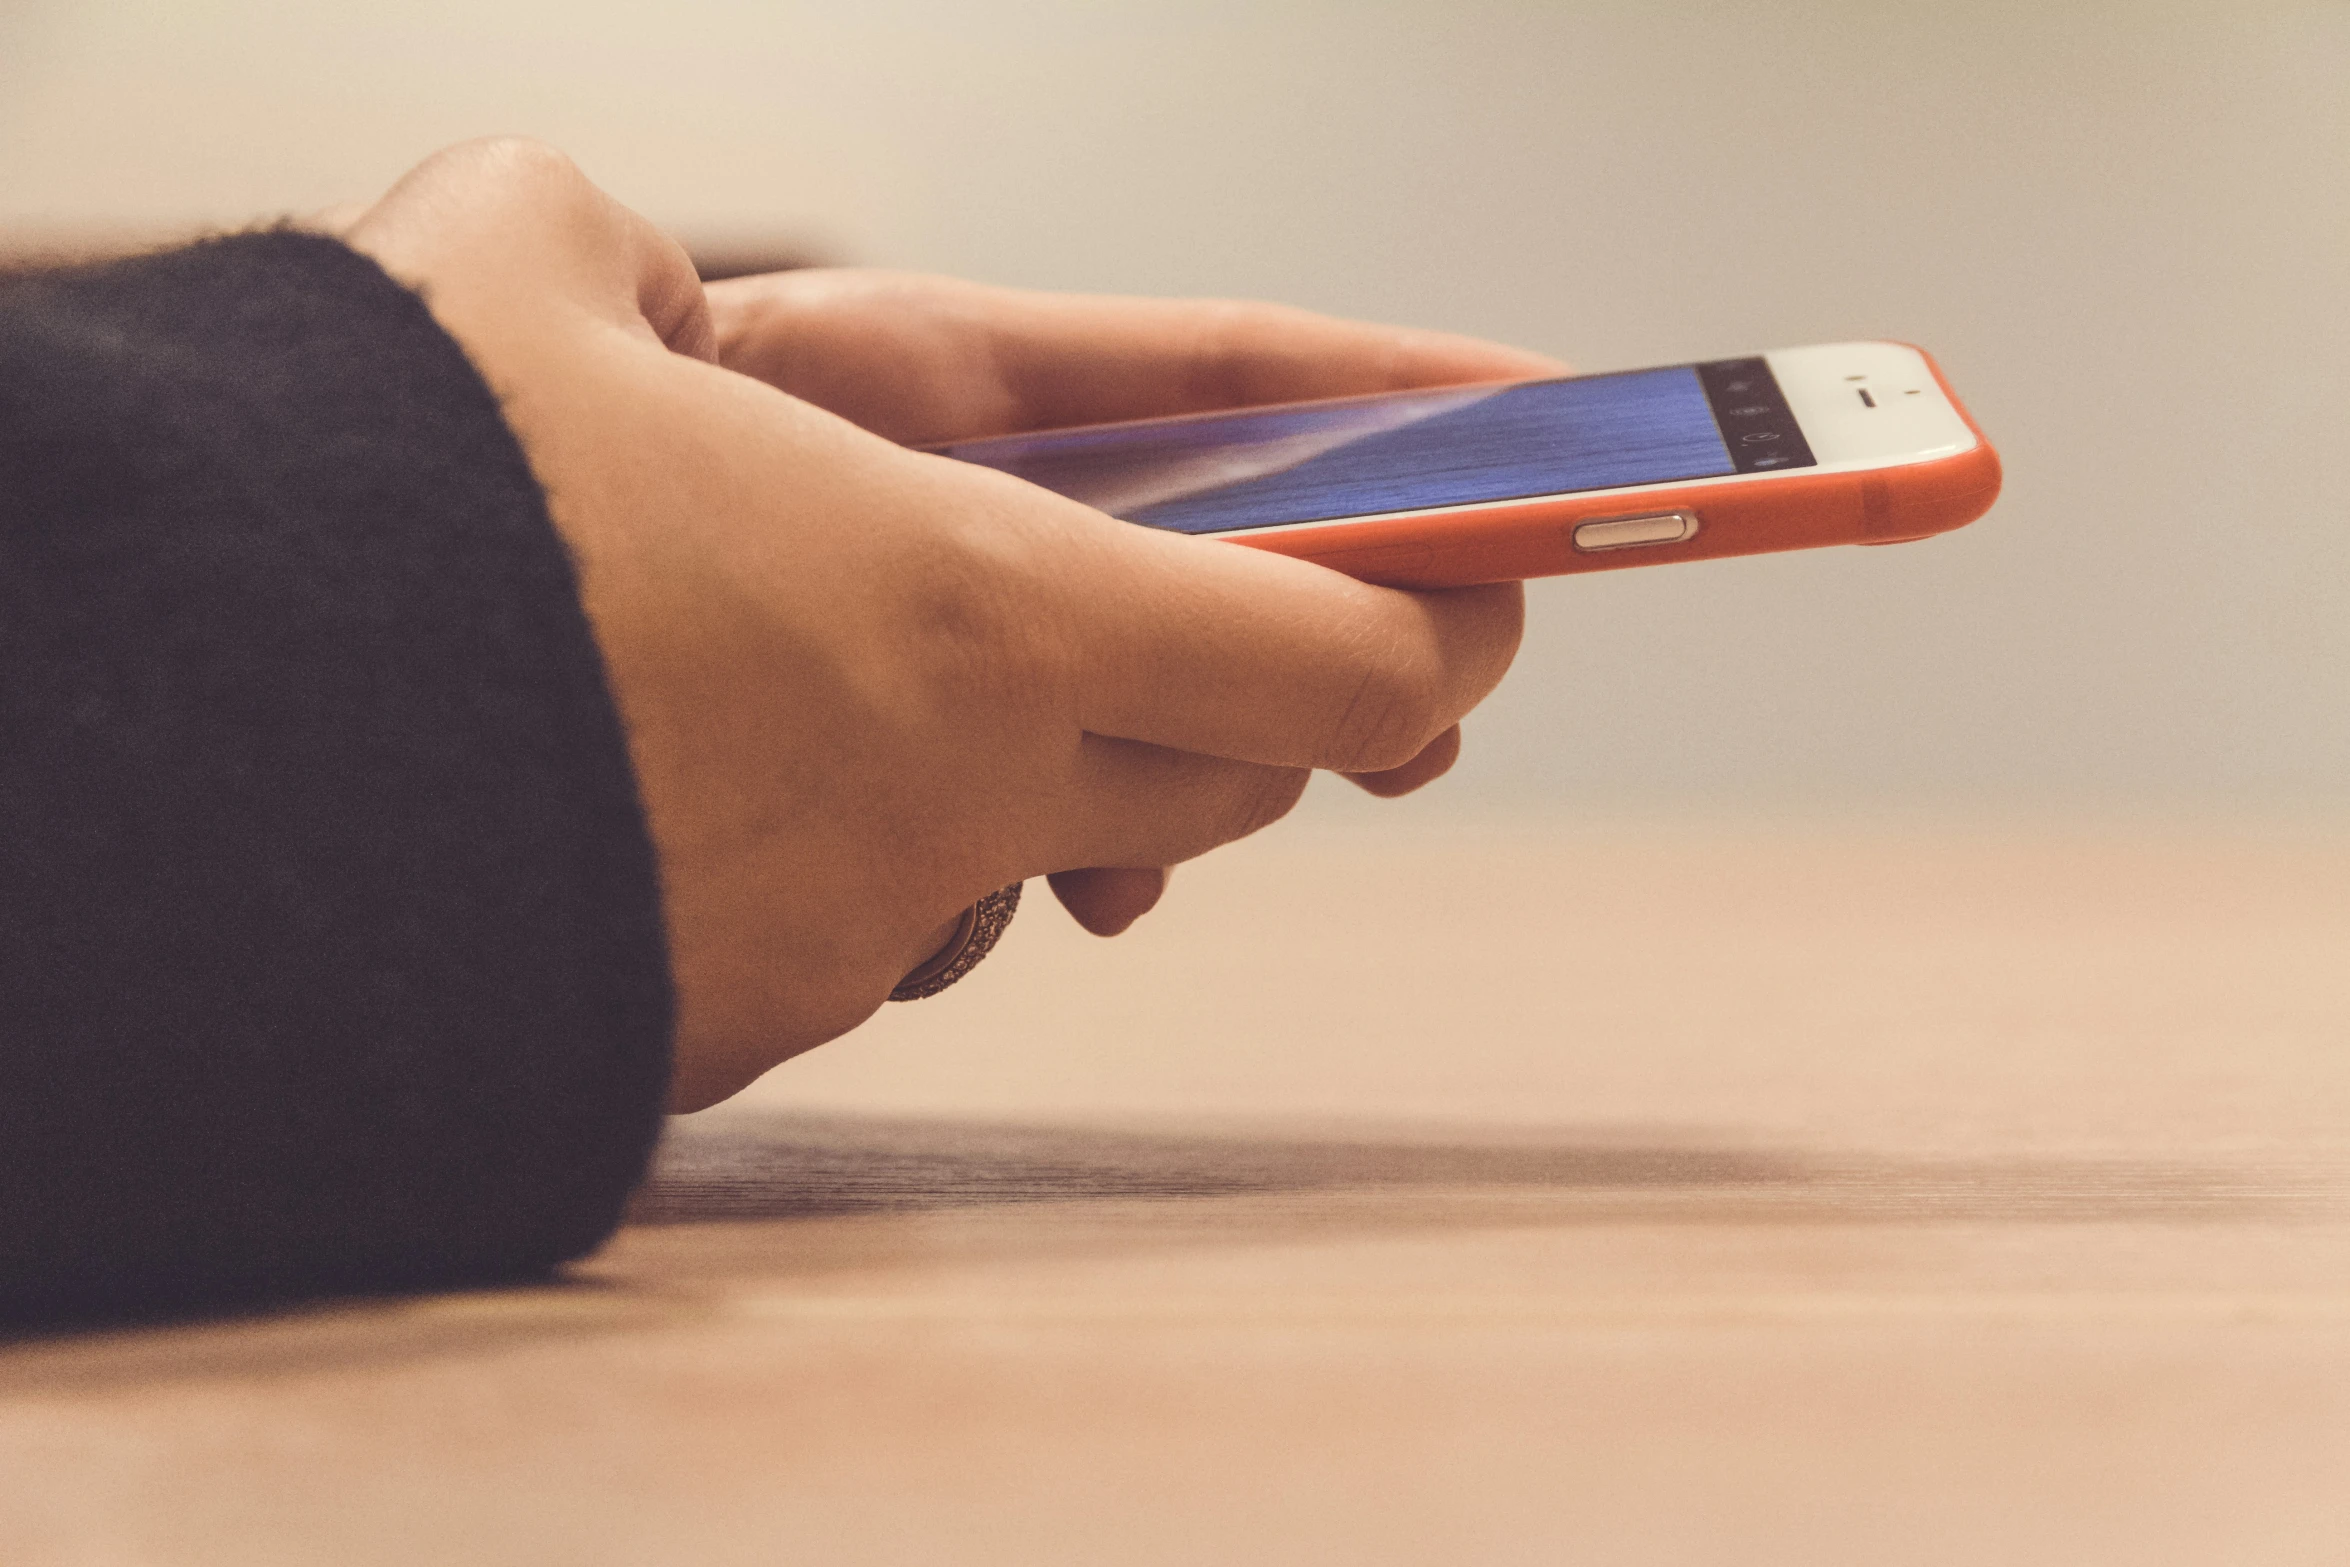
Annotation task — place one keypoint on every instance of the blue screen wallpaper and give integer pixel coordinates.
(1449, 447)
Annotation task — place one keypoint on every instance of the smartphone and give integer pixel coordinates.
(1838, 443)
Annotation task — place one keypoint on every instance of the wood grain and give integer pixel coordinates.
(1663, 1194)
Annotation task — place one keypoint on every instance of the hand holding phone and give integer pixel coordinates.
(1841, 443)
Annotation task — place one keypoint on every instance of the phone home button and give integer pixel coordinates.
(1623, 533)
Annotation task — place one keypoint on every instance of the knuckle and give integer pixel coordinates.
(1391, 717)
(524, 159)
(1229, 368)
(528, 175)
(1271, 795)
(1217, 803)
(500, 174)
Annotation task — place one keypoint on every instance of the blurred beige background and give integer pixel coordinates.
(2125, 229)
(1947, 1171)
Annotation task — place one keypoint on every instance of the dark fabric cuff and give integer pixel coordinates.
(331, 953)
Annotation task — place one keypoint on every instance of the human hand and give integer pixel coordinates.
(863, 685)
(924, 360)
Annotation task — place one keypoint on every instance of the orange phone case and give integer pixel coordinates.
(1794, 510)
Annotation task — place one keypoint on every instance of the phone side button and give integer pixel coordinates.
(1623, 533)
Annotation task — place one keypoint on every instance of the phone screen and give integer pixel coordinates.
(1411, 451)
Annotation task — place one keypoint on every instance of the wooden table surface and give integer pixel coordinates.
(1650, 1194)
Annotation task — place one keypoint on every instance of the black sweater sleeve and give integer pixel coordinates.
(331, 953)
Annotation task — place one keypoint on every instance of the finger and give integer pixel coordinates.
(1197, 646)
(1108, 899)
(1260, 658)
(1433, 762)
(1137, 805)
(925, 359)
(499, 232)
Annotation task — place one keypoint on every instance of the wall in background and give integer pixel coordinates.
(2125, 229)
